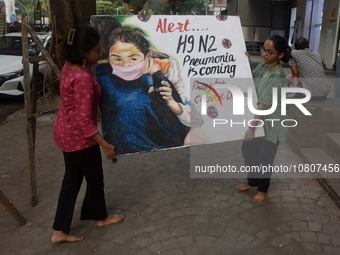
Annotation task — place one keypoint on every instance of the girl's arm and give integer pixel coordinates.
(250, 132)
(295, 79)
(108, 149)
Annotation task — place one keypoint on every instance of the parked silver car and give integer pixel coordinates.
(11, 68)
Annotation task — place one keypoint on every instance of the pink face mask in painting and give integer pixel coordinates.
(128, 73)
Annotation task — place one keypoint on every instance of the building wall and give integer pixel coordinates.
(3, 29)
(258, 13)
(232, 7)
(260, 19)
(300, 13)
(329, 33)
(10, 11)
(252, 13)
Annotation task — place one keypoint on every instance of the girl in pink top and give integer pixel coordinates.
(76, 134)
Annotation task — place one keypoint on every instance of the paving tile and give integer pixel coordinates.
(105, 246)
(281, 227)
(314, 226)
(265, 234)
(318, 218)
(216, 230)
(205, 219)
(252, 229)
(308, 237)
(183, 203)
(157, 216)
(123, 237)
(290, 199)
(179, 230)
(324, 238)
(160, 234)
(127, 248)
(198, 229)
(167, 208)
(184, 211)
(161, 224)
(155, 248)
(239, 223)
(247, 216)
(298, 225)
(285, 239)
(142, 252)
(293, 249)
(147, 211)
(232, 233)
(194, 250)
(331, 250)
(335, 241)
(183, 220)
(324, 201)
(177, 251)
(309, 208)
(245, 238)
(170, 244)
(185, 241)
(292, 207)
(164, 200)
(143, 241)
(311, 195)
(329, 228)
(204, 241)
(312, 248)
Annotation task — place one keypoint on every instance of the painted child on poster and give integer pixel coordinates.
(156, 71)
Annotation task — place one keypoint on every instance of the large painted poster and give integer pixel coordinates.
(172, 81)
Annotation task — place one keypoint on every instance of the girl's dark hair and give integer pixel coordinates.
(135, 36)
(281, 46)
(80, 39)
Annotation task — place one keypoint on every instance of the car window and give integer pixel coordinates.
(10, 45)
(33, 49)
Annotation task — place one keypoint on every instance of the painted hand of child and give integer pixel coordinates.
(166, 91)
(151, 89)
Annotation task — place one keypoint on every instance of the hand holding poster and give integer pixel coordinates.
(171, 81)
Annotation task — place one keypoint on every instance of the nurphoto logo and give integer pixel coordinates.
(238, 103)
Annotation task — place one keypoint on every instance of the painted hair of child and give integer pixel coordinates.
(137, 37)
(104, 25)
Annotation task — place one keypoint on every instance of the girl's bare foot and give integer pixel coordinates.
(111, 219)
(59, 236)
(259, 197)
(243, 187)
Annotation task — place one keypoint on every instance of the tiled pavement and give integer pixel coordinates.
(166, 211)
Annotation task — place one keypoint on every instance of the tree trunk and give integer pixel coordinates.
(69, 13)
(64, 15)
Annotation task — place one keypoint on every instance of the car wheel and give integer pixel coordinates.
(40, 86)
